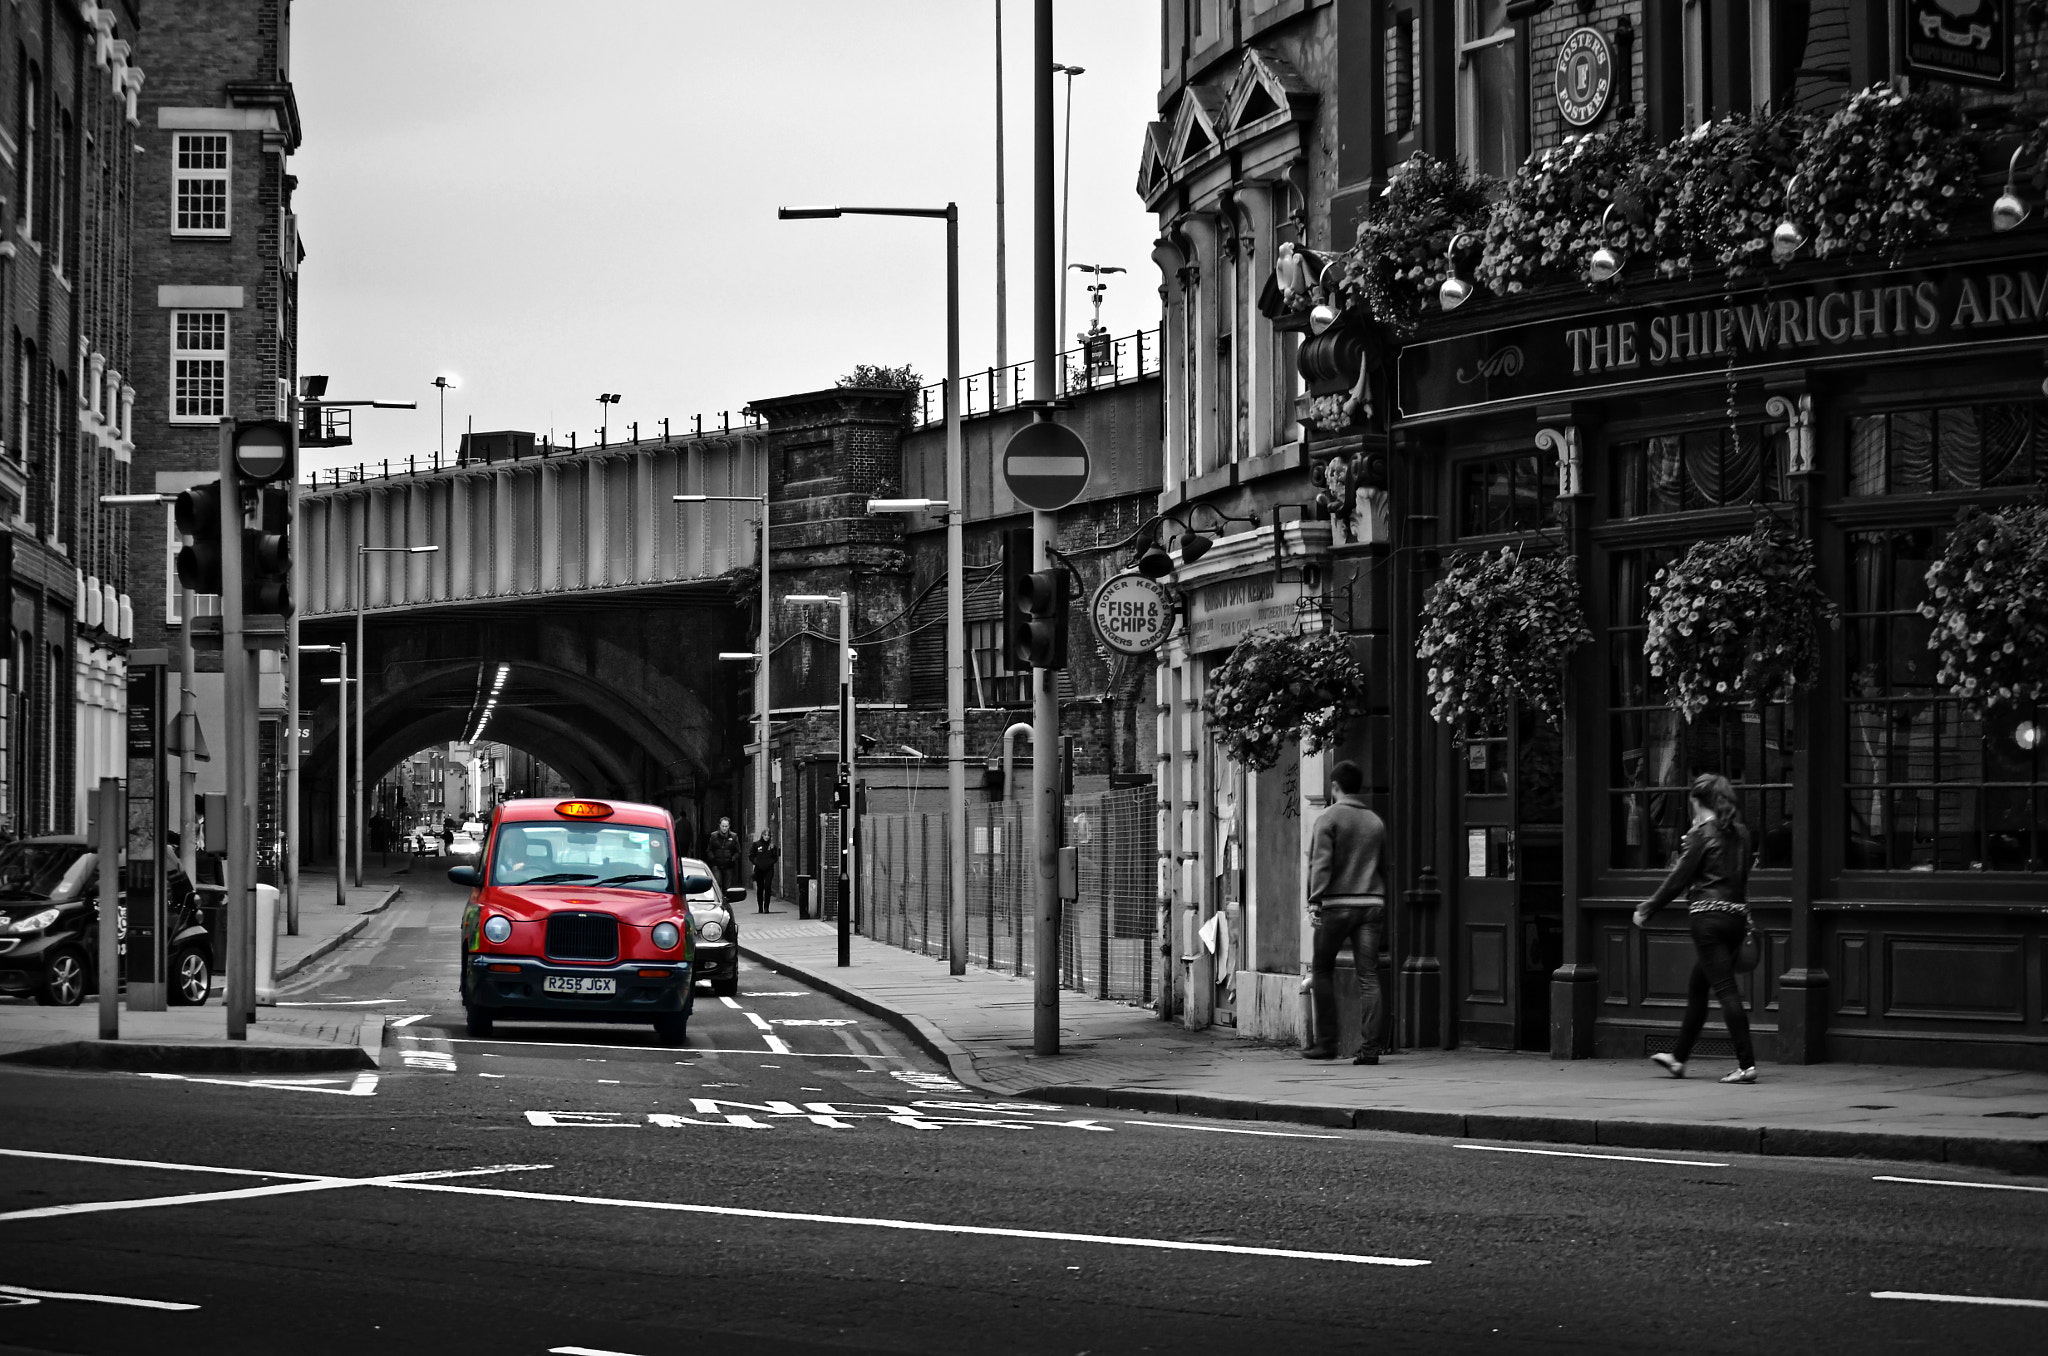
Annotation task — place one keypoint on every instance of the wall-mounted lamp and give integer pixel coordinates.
(2010, 209)
(1455, 291)
(1320, 319)
(1787, 240)
(1606, 260)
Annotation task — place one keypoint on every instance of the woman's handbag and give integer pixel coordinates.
(1752, 949)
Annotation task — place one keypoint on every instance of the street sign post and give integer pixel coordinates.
(1045, 465)
(1132, 614)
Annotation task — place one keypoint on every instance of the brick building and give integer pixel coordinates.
(1599, 393)
(66, 147)
(216, 290)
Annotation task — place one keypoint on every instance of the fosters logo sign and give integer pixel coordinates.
(1813, 322)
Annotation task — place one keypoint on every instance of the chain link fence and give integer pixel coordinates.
(1107, 933)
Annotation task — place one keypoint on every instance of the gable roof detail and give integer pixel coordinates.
(1266, 92)
(1152, 162)
(1198, 128)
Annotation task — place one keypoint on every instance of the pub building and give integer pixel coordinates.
(1334, 463)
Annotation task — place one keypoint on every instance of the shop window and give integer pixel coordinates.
(1701, 468)
(1506, 494)
(1492, 94)
(1931, 786)
(1953, 447)
(1653, 755)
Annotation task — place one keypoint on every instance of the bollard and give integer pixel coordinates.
(267, 900)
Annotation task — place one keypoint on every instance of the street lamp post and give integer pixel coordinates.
(444, 383)
(955, 505)
(340, 767)
(605, 401)
(762, 722)
(363, 553)
(1066, 182)
(847, 746)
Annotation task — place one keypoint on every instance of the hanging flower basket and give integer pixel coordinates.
(1719, 193)
(1989, 605)
(1278, 686)
(1501, 627)
(1737, 619)
(1398, 260)
(1549, 221)
(1887, 172)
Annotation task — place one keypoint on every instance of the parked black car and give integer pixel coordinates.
(49, 923)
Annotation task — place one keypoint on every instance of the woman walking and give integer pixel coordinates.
(1714, 873)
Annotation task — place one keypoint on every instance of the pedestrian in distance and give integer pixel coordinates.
(1713, 871)
(764, 855)
(723, 852)
(1347, 903)
(447, 835)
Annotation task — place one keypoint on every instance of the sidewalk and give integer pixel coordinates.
(1125, 1057)
(194, 1040)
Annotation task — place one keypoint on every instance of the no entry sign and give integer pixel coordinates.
(1045, 465)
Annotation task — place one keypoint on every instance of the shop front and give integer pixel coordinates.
(1901, 836)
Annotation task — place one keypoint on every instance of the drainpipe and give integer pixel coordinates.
(1022, 727)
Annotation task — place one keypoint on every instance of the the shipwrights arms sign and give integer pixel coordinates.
(1807, 323)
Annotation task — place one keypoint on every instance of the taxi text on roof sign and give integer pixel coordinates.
(583, 809)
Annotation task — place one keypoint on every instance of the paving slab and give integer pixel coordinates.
(1117, 1055)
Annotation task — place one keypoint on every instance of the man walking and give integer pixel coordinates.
(1347, 900)
(764, 855)
(723, 852)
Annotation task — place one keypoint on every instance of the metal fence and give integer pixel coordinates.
(1107, 942)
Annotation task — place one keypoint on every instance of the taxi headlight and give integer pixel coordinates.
(667, 935)
(497, 928)
(35, 922)
(711, 929)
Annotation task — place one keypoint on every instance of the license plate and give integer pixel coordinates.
(592, 985)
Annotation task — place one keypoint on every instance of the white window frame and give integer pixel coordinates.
(1468, 85)
(225, 175)
(221, 355)
(1692, 57)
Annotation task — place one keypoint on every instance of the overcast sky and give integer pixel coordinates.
(549, 200)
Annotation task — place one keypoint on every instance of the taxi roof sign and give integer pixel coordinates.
(583, 809)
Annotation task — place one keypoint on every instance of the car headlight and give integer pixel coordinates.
(667, 935)
(711, 929)
(497, 928)
(35, 922)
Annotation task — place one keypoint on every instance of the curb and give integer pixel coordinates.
(346, 934)
(2029, 1157)
(920, 1030)
(370, 1037)
(133, 1057)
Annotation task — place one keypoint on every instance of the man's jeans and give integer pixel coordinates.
(1360, 925)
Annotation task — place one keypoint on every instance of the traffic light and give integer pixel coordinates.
(197, 516)
(1034, 606)
(267, 555)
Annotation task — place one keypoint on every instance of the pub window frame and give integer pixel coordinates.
(1469, 47)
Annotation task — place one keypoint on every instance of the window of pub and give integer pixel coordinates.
(1931, 784)
(1492, 96)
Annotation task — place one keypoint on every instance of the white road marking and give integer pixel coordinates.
(732, 1003)
(27, 1293)
(815, 1021)
(339, 1003)
(756, 1018)
(365, 1084)
(1959, 1299)
(918, 1226)
(1981, 1186)
(153, 1163)
(608, 1080)
(484, 1075)
(1612, 1158)
(585, 1351)
(1227, 1130)
(649, 1049)
(249, 1193)
(408, 1021)
(784, 993)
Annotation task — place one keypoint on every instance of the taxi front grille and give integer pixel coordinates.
(583, 936)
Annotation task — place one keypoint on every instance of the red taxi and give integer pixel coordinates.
(577, 908)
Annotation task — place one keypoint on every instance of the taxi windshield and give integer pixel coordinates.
(557, 853)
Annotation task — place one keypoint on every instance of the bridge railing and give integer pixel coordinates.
(1104, 362)
(698, 426)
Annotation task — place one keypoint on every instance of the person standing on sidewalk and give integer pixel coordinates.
(764, 855)
(1713, 870)
(723, 852)
(1347, 902)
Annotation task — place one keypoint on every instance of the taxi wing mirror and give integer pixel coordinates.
(735, 894)
(466, 875)
(694, 884)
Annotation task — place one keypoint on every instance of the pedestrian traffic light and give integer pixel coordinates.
(267, 555)
(197, 517)
(1045, 638)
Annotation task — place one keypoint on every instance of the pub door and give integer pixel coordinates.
(1509, 891)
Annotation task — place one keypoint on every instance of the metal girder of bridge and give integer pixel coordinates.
(581, 524)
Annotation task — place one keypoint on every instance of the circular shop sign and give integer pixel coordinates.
(1585, 76)
(1133, 614)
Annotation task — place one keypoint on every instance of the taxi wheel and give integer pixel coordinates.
(672, 1028)
(478, 1021)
